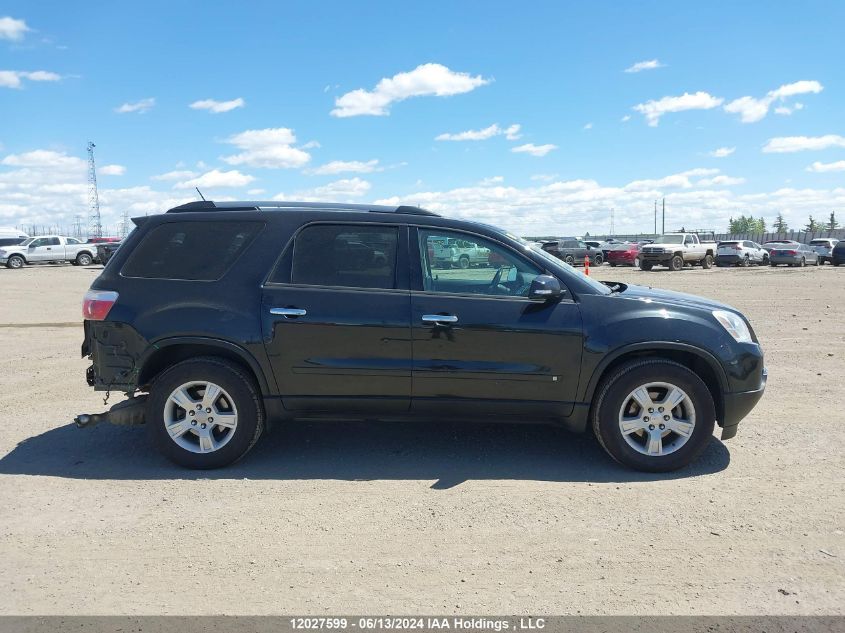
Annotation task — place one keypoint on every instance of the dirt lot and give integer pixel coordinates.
(426, 518)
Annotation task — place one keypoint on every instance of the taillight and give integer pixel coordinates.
(791, 252)
(97, 303)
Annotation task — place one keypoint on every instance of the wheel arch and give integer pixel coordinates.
(167, 352)
(699, 361)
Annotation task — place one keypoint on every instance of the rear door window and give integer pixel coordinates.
(350, 256)
(192, 251)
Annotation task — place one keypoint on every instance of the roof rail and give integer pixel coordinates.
(209, 205)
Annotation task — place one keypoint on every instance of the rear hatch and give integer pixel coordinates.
(728, 248)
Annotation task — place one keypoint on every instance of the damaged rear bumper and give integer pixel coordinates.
(130, 412)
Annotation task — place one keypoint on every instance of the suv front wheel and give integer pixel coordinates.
(653, 415)
(204, 413)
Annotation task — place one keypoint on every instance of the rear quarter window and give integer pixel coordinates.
(192, 251)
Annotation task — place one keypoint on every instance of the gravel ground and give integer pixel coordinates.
(426, 518)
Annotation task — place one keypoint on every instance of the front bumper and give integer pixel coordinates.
(739, 404)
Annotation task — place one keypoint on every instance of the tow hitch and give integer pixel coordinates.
(130, 412)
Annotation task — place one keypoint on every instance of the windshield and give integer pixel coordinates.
(27, 242)
(672, 239)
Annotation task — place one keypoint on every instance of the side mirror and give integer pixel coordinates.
(544, 288)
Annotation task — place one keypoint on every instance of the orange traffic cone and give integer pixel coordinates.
(587, 265)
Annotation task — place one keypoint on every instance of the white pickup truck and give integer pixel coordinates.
(48, 248)
(677, 250)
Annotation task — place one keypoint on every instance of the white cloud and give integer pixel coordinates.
(15, 78)
(544, 177)
(215, 179)
(822, 168)
(653, 110)
(494, 180)
(350, 166)
(44, 158)
(217, 106)
(312, 145)
(425, 80)
(588, 126)
(722, 152)
(270, 147)
(788, 144)
(343, 190)
(142, 106)
(682, 180)
(751, 109)
(112, 170)
(12, 29)
(534, 150)
(720, 181)
(511, 133)
(625, 118)
(650, 64)
(256, 192)
(175, 175)
(787, 110)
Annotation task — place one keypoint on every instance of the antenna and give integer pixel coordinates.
(95, 226)
(200, 192)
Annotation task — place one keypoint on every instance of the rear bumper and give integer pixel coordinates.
(739, 404)
(728, 259)
(780, 259)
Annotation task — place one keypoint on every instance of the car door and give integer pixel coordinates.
(480, 346)
(336, 319)
(44, 249)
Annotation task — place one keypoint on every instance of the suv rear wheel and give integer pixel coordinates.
(653, 415)
(204, 413)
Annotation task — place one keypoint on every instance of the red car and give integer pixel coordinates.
(625, 255)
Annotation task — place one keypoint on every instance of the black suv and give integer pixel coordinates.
(215, 318)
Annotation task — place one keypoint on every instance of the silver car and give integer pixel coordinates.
(741, 252)
(794, 255)
(824, 247)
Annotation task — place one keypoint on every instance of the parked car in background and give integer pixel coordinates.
(740, 253)
(295, 330)
(771, 244)
(794, 255)
(11, 237)
(677, 250)
(837, 256)
(47, 248)
(625, 255)
(573, 252)
(824, 247)
(103, 240)
(105, 250)
(458, 253)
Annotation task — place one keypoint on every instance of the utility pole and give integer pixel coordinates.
(124, 223)
(612, 231)
(664, 216)
(655, 217)
(95, 226)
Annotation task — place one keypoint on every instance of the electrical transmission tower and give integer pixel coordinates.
(95, 226)
(124, 223)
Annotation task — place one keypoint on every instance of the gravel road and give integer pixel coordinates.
(429, 517)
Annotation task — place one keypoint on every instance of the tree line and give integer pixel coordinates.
(750, 224)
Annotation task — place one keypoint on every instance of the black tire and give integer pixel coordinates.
(15, 261)
(773, 265)
(707, 262)
(637, 262)
(614, 389)
(746, 261)
(677, 263)
(463, 262)
(569, 259)
(803, 262)
(834, 262)
(612, 265)
(646, 266)
(83, 259)
(236, 382)
(598, 260)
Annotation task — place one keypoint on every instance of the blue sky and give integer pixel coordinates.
(735, 108)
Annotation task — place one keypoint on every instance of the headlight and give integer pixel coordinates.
(734, 324)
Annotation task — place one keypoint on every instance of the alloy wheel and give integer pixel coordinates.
(200, 417)
(657, 419)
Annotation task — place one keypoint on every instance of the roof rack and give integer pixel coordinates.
(209, 205)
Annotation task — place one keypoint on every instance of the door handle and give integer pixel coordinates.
(288, 313)
(439, 318)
